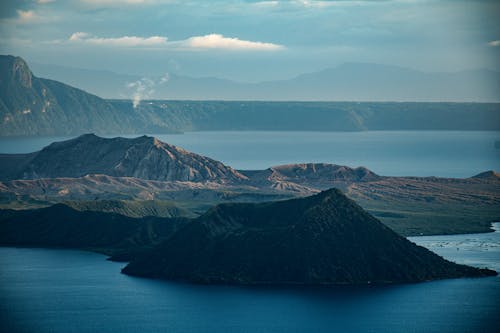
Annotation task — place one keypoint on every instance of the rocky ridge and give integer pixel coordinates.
(142, 157)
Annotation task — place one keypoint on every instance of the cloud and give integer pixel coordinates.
(30, 17)
(494, 43)
(217, 41)
(207, 42)
(115, 3)
(319, 3)
(164, 78)
(266, 4)
(43, 2)
(26, 16)
(125, 41)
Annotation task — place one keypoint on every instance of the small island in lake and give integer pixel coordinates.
(321, 239)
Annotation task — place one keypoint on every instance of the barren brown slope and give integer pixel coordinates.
(142, 157)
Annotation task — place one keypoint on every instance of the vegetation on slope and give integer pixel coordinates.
(322, 239)
(34, 106)
(63, 226)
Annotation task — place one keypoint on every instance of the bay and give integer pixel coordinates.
(53, 290)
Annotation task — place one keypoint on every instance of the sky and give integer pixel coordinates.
(251, 41)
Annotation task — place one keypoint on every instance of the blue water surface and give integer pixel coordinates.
(52, 290)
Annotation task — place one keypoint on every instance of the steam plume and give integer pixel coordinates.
(145, 88)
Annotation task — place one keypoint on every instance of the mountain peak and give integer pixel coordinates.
(490, 174)
(87, 136)
(142, 157)
(322, 239)
(17, 70)
(322, 171)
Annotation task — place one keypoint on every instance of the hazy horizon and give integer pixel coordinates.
(357, 82)
(251, 41)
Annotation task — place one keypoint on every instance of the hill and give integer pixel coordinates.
(143, 157)
(132, 208)
(319, 116)
(137, 176)
(31, 106)
(34, 106)
(347, 82)
(62, 226)
(322, 239)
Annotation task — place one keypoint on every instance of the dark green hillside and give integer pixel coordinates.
(33, 106)
(36, 106)
(322, 239)
(320, 116)
(132, 208)
(62, 226)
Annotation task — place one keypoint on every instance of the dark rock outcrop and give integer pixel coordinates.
(322, 239)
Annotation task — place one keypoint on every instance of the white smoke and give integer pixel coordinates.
(145, 88)
(164, 78)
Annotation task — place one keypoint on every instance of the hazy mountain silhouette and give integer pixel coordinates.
(347, 82)
(33, 106)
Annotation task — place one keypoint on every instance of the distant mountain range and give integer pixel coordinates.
(33, 106)
(347, 82)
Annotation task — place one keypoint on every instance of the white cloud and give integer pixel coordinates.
(207, 42)
(26, 16)
(125, 41)
(266, 4)
(494, 43)
(114, 3)
(217, 41)
(312, 4)
(43, 2)
(30, 17)
(164, 78)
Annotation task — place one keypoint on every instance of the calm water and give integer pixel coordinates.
(392, 153)
(44, 290)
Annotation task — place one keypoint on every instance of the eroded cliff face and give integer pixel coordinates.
(143, 157)
(20, 72)
(35, 106)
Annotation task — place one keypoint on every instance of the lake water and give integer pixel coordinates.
(48, 290)
(391, 153)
